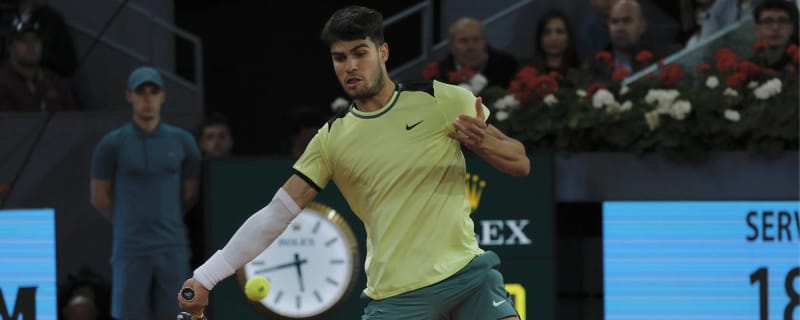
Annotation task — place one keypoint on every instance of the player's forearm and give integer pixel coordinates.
(504, 153)
(254, 235)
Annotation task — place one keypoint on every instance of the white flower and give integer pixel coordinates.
(627, 105)
(768, 89)
(712, 82)
(729, 92)
(580, 92)
(339, 104)
(732, 115)
(507, 102)
(613, 107)
(680, 109)
(602, 98)
(624, 90)
(501, 115)
(662, 99)
(478, 82)
(550, 100)
(652, 119)
(752, 85)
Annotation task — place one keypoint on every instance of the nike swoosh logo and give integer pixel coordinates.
(497, 303)
(413, 125)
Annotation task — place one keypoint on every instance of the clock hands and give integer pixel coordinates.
(296, 262)
(299, 273)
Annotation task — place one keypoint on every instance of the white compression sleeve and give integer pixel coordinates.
(253, 236)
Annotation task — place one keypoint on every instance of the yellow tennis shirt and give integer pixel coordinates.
(404, 178)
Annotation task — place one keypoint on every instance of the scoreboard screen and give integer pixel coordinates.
(27, 264)
(701, 260)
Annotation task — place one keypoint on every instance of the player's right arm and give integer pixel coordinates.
(252, 237)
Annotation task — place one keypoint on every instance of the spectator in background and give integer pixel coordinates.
(726, 12)
(216, 141)
(58, 49)
(776, 29)
(627, 24)
(693, 21)
(85, 296)
(26, 85)
(556, 49)
(306, 121)
(594, 34)
(469, 50)
(144, 176)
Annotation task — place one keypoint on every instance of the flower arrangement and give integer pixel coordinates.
(464, 77)
(731, 105)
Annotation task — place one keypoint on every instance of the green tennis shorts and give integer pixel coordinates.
(476, 292)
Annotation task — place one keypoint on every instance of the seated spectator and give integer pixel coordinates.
(26, 85)
(468, 49)
(306, 121)
(627, 24)
(85, 296)
(695, 21)
(726, 12)
(556, 49)
(776, 29)
(216, 141)
(594, 34)
(58, 49)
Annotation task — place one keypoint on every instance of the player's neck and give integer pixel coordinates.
(379, 100)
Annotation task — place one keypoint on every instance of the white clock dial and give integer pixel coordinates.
(311, 266)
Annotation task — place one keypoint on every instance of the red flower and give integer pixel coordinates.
(431, 70)
(703, 68)
(620, 73)
(791, 68)
(768, 72)
(523, 83)
(594, 87)
(761, 44)
(463, 74)
(794, 52)
(604, 56)
(545, 85)
(735, 79)
(4, 189)
(748, 68)
(644, 57)
(726, 59)
(671, 73)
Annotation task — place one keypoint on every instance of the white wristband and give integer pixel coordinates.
(214, 270)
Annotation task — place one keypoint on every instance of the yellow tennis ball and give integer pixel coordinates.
(256, 288)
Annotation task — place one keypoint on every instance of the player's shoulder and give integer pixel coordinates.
(118, 134)
(436, 89)
(335, 120)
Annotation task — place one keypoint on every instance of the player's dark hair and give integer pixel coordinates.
(353, 23)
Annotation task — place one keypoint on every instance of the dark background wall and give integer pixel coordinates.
(264, 59)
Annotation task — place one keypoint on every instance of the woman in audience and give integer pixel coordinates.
(556, 48)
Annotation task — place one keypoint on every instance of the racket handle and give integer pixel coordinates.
(188, 294)
(189, 316)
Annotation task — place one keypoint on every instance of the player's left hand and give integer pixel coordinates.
(471, 131)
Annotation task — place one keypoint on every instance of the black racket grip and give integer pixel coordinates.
(189, 316)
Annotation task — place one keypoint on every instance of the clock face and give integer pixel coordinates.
(311, 267)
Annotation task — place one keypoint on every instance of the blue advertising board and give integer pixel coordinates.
(701, 260)
(27, 264)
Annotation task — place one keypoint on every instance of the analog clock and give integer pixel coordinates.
(312, 266)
